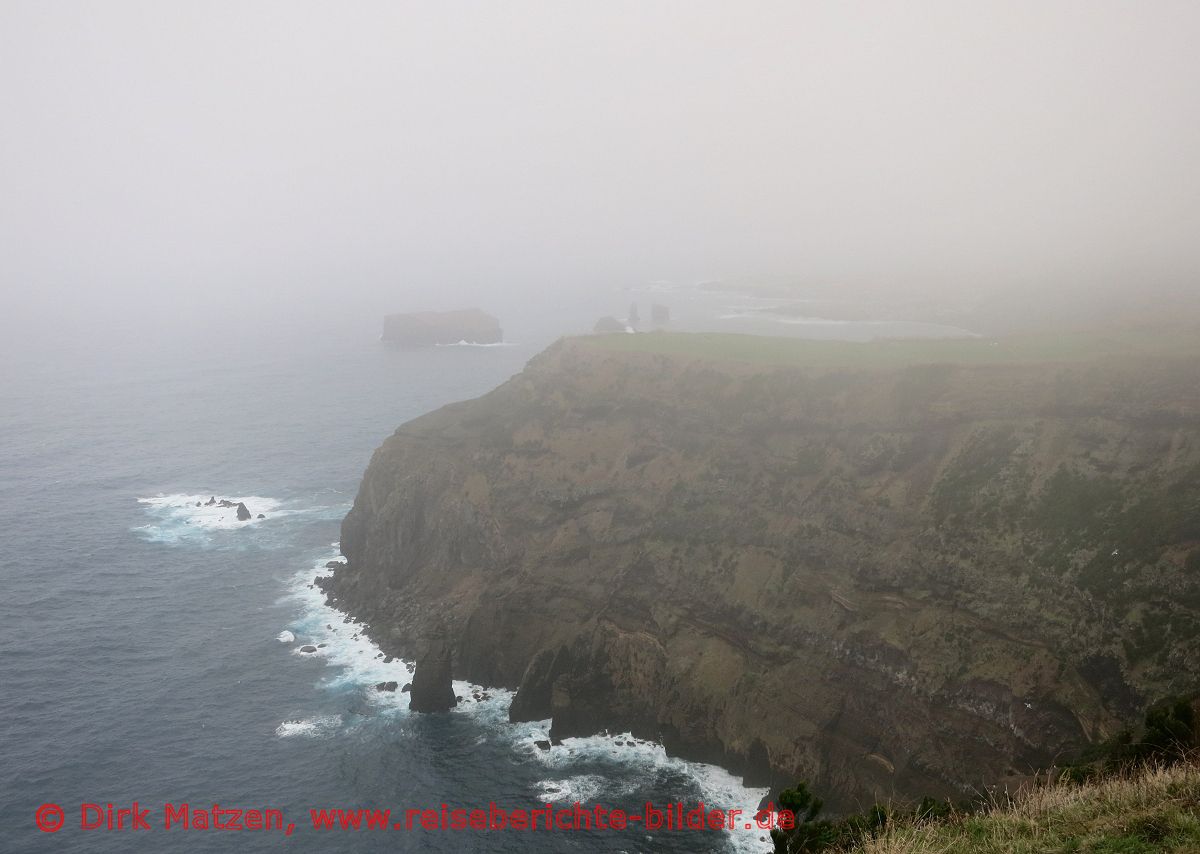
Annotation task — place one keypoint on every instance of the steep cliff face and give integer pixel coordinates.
(885, 581)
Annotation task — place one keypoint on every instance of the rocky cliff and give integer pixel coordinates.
(887, 580)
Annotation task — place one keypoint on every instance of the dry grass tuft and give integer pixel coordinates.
(1144, 811)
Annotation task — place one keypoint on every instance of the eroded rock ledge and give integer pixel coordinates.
(887, 582)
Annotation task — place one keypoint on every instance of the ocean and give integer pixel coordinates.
(141, 657)
(151, 649)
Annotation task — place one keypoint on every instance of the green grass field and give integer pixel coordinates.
(1074, 346)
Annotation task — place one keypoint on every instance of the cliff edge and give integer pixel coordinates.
(890, 569)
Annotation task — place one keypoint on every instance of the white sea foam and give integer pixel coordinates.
(359, 662)
(185, 518)
(585, 788)
(310, 727)
(355, 659)
(183, 508)
(178, 519)
(646, 760)
(286, 637)
(356, 662)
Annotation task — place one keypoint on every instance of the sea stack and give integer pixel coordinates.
(439, 328)
(432, 690)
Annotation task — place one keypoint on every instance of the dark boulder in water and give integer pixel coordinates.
(211, 501)
(542, 744)
(261, 516)
(308, 648)
(243, 513)
(407, 687)
(386, 686)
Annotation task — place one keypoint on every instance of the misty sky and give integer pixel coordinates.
(171, 153)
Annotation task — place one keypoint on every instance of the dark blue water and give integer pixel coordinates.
(139, 650)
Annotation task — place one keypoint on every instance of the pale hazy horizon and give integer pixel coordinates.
(167, 159)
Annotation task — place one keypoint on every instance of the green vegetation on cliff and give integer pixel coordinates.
(1071, 346)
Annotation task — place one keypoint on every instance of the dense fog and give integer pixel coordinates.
(214, 161)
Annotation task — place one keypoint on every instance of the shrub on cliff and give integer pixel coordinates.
(811, 835)
(1168, 735)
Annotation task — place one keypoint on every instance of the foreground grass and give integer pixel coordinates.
(1073, 346)
(1151, 810)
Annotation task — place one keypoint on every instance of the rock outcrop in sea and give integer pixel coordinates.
(243, 512)
(431, 689)
(440, 328)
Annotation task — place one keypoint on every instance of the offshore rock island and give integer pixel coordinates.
(890, 569)
(441, 328)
